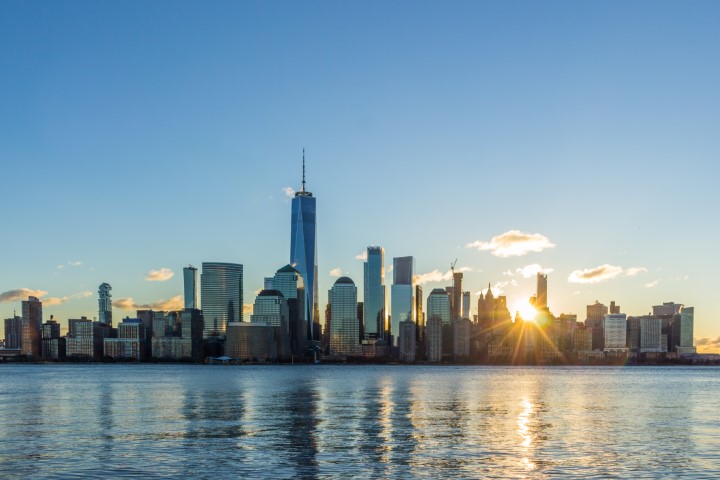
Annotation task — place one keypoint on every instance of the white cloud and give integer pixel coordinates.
(513, 243)
(175, 303)
(602, 273)
(336, 272)
(248, 309)
(652, 284)
(162, 275)
(438, 276)
(70, 263)
(20, 294)
(529, 271)
(289, 192)
(361, 256)
(508, 273)
(631, 272)
(50, 301)
(498, 288)
(389, 268)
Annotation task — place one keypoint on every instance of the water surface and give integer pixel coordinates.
(75, 421)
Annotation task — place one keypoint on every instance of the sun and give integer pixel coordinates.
(527, 311)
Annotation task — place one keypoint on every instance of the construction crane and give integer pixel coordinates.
(452, 266)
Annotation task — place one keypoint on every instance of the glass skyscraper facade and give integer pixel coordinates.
(303, 246)
(374, 299)
(290, 283)
(190, 289)
(403, 295)
(438, 306)
(344, 328)
(221, 288)
(105, 304)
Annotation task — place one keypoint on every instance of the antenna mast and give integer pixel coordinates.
(303, 180)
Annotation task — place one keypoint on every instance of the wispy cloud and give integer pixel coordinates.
(361, 256)
(71, 263)
(438, 276)
(162, 275)
(603, 273)
(531, 270)
(20, 294)
(336, 272)
(50, 301)
(513, 243)
(631, 272)
(175, 303)
(707, 344)
(652, 284)
(498, 288)
(248, 309)
(289, 192)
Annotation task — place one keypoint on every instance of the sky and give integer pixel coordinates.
(576, 138)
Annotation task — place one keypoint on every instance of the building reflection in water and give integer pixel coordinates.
(299, 415)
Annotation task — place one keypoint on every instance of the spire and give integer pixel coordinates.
(303, 177)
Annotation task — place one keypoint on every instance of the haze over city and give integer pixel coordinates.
(577, 140)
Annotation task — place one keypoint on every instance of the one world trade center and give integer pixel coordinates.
(303, 248)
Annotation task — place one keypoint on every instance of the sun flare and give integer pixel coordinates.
(526, 310)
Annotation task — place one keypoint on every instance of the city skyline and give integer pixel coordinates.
(602, 181)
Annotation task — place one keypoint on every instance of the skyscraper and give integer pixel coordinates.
(541, 301)
(31, 327)
(374, 299)
(303, 246)
(457, 292)
(615, 332)
(271, 308)
(403, 295)
(291, 284)
(190, 278)
(466, 305)
(438, 306)
(105, 304)
(343, 318)
(221, 286)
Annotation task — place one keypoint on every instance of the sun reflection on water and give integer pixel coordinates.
(523, 422)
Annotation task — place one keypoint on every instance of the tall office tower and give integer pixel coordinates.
(289, 281)
(407, 343)
(190, 284)
(667, 308)
(615, 332)
(303, 247)
(271, 308)
(433, 339)
(343, 318)
(374, 299)
(541, 300)
(361, 325)
(105, 304)
(221, 289)
(614, 309)
(419, 314)
(651, 334)
(466, 305)
(53, 346)
(403, 296)
(31, 327)
(682, 331)
(595, 314)
(457, 292)
(13, 332)
(438, 306)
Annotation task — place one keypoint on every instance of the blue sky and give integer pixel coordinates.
(136, 136)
